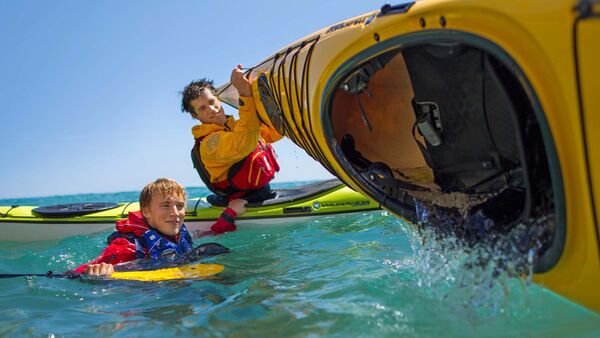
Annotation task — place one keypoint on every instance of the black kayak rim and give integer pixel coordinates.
(72, 209)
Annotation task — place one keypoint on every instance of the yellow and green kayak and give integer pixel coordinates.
(294, 205)
(457, 104)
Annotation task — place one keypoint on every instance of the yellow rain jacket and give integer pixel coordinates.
(223, 146)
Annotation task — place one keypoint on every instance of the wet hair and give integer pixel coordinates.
(163, 186)
(193, 91)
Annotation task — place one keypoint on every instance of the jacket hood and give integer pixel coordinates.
(135, 223)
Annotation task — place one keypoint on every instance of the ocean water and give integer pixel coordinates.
(365, 275)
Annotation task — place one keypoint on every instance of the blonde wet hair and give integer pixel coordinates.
(163, 186)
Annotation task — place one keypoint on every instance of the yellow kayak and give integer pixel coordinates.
(486, 106)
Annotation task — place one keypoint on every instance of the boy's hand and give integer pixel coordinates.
(240, 82)
(238, 205)
(102, 269)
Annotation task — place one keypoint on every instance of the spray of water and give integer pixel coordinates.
(471, 262)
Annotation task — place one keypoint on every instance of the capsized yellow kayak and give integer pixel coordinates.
(486, 106)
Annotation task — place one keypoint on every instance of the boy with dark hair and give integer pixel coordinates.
(233, 158)
(157, 230)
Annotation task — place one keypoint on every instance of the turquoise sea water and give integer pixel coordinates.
(363, 275)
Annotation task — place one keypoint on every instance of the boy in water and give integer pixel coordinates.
(157, 230)
(233, 158)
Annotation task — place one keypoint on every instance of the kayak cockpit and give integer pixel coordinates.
(446, 124)
(283, 196)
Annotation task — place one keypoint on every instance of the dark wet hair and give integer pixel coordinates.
(193, 91)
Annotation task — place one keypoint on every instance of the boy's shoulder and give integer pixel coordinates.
(206, 130)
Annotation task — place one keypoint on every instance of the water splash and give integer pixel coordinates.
(470, 261)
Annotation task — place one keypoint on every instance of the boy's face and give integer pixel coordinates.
(165, 213)
(208, 108)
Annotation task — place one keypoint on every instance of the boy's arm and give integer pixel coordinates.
(270, 135)
(226, 221)
(224, 148)
(119, 251)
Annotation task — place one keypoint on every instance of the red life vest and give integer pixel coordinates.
(250, 174)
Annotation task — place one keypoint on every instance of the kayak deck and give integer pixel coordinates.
(22, 224)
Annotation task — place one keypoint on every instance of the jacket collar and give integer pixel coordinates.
(135, 224)
(205, 129)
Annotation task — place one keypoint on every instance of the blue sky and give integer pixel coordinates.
(89, 89)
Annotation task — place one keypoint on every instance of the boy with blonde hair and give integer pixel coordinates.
(157, 230)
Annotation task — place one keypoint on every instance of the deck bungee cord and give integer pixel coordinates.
(299, 131)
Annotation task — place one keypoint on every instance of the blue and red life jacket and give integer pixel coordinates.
(247, 175)
(150, 243)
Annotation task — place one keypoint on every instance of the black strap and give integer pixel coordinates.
(11, 207)
(424, 151)
(202, 172)
(464, 166)
(382, 176)
(205, 176)
(227, 217)
(49, 274)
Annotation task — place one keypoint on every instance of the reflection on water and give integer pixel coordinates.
(358, 275)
